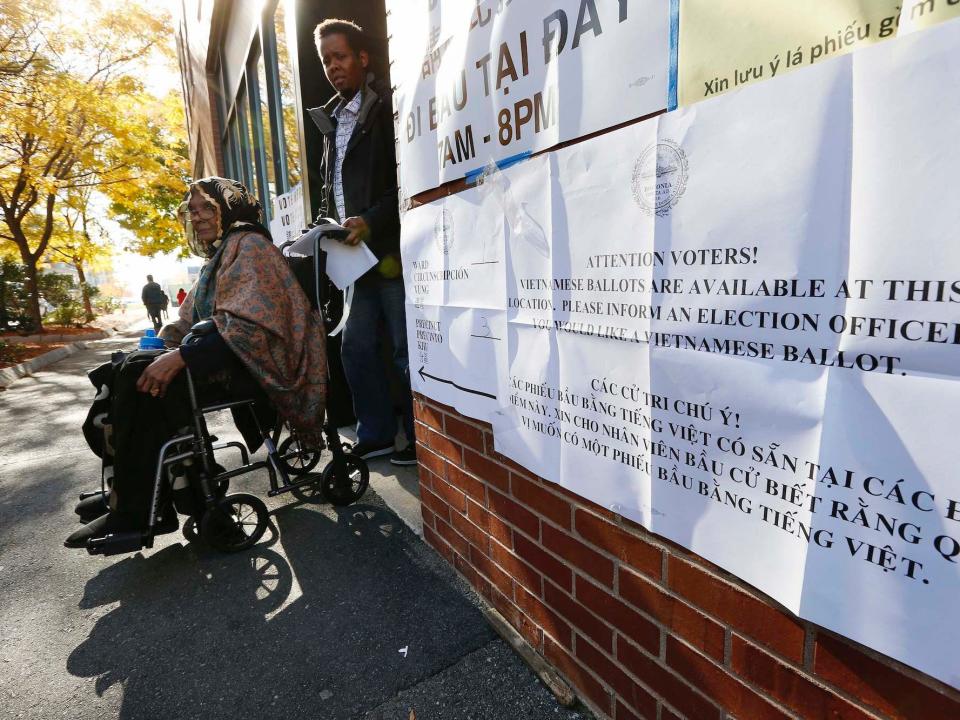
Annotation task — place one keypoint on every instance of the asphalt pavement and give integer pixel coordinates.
(337, 613)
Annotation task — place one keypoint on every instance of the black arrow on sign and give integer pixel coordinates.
(425, 375)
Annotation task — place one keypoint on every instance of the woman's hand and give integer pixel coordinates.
(160, 373)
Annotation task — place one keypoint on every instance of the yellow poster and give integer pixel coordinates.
(726, 45)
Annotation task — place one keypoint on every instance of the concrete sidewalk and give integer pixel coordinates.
(339, 613)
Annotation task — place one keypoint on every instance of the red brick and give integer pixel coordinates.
(428, 415)
(627, 620)
(578, 554)
(520, 571)
(488, 443)
(879, 684)
(474, 535)
(682, 620)
(453, 538)
(492, 572)
(587, 686)
(467, 483)
(486, 469)
(665, 684)
(490, 523)
(443, 445)
(752, 617)
(721, 687)
(551, 623)
(582, 619)
(450, 495)
(787, 685)
(446, 409)
(629, 548)
(521, 623)
(427, 515)
(469, 435)
(425, 476)
(438, 544)
(502, 459)
(668, 714)
(625, 713)
(432, 462)
(623, 684)
(479, 583)
(545, 563)
(436, 504)
(517, 515)
(542, 501)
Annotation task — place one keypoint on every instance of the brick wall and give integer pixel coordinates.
(640, 626)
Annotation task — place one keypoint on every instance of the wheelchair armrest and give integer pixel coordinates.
(204, 327)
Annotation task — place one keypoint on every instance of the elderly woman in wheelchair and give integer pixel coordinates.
(248, 340)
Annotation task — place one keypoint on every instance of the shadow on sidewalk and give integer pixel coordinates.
(310, 627)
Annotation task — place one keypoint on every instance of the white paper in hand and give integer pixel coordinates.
(345, 263)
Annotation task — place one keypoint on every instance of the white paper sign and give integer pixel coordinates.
(483, 81)
(288, 219)
(738, 325)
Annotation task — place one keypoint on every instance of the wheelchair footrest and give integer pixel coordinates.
(116, 543)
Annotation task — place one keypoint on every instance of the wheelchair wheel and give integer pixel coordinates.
(236, 523)
(190, 533)
(296, 459)
(351, 486)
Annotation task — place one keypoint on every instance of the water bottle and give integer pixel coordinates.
(150, 341)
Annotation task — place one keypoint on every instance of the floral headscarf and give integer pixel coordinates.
(236, 209)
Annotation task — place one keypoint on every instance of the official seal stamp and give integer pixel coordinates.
(443, 230)
(660, 177)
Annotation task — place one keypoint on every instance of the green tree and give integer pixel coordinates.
(73, 120)
(79, 240)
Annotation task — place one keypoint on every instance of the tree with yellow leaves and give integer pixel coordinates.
(75, 119)
(79, 241)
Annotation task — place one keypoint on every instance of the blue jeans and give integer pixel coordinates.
(360, 352)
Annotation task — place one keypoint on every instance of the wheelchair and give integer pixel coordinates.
(235, 522)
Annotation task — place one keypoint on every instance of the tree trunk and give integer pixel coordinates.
(33, 294)
(4, 313)
(84, 290)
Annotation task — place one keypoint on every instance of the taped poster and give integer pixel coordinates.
(484, 81)
(739, 325)
(724, 46)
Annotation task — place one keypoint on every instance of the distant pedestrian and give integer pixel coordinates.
(152, 296)
(166, 305)
(181, 296)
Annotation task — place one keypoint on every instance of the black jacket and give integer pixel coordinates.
(152, 294)
(369, 174)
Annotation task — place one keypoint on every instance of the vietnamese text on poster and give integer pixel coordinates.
(738, 325)
(479, 82)
(726, 45)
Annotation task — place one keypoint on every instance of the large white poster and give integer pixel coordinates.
(483, 81)
(738, 325)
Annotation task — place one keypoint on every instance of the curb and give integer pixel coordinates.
(23, 340)
(10, 375)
